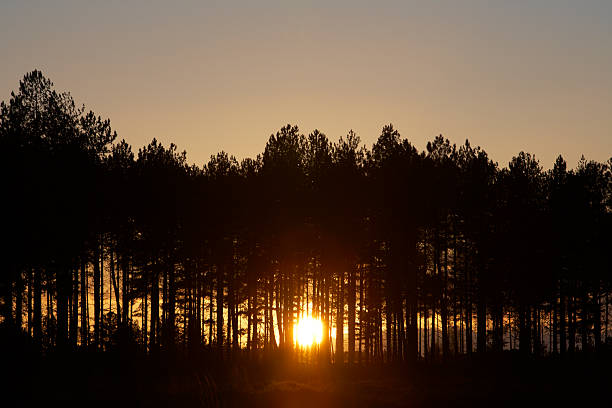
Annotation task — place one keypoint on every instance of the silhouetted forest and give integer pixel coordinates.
(404, 255)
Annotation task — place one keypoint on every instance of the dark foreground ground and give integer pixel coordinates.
(127, 379)
(108, 380)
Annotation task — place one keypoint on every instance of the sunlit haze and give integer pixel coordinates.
(308, 332)
(211, 76)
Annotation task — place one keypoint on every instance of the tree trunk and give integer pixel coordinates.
(37, 308)
(124, 288)
(219, 304)
(115, 286)
(74, 315)
(352, 287)
(63, 292)
(340, 319)
(153, 339)
(84, 306)
(562, 330)
(96, 283)
(171, 322)
(444, 306)
(597, 319)
(18, 300)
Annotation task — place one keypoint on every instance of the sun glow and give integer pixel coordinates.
(308, 332)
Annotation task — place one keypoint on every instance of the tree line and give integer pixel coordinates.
(402, 254)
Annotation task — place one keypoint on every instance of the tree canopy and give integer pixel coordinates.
(402, 254)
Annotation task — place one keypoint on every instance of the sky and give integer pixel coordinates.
(224, 75)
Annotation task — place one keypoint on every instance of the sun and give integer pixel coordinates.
(308, 332)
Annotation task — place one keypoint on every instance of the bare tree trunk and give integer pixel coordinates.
(455, 300)
(171, 322)
(562, 330)
(572, 323)
(211, 311)
(352, 287)
(96, 283)
(254, 316)
(425, 332)
(597, 319)
(101, 289)
(232, 304)
(115, 286)
(468, 306)
(18, 299)
(340, 319)
(361, 312)
(31, 298)
(124, 288)
(145, 317)
(153, 338)
(7, 310)
(325, 344)
(584, 334)
(62, 283)
(37, 307)
(554, 327)
(481, 321)
(74, 316)
(432, 349)
(444, 306)
(606, 323)
(219, 304)
(84, 306)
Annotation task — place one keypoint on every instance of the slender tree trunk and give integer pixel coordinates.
(554, 326)
(153, 338)
(74, 317)
(426, 354)
(18, 299)
(362, 312)
(597, 319)
(606, 322)
(145, 318)
(456, 297)
(481, 318)
(232, 304)
(571, 323)
(84, 306)
(219, 303)
(325, 344)
(171, 323)
(115, 286)
(37, 308)
(96, 283)
(340, 319)
(62, 284)
(211, 311)
(255, 316)
(31, 298)
(7, 311)
(444, 306)
(101, 289)
(124, 288)
(433, 350)
(352, 288)
(468, 305)
(562, 317)
(585, 318)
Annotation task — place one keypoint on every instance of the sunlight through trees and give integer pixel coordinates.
(372, 255)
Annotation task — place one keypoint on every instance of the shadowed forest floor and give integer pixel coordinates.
(115, 380)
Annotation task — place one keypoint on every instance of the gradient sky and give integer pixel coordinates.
(223, 75)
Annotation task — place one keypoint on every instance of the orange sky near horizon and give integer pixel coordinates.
(211, 76)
